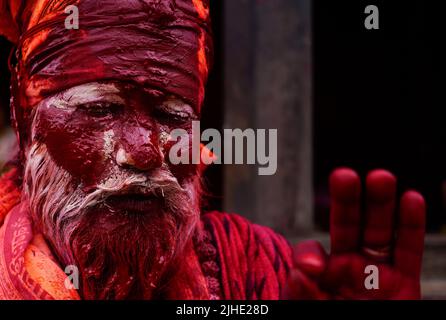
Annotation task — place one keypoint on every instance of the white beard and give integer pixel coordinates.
(126, 259)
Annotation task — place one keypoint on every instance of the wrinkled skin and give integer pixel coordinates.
(398, 233)
(89, 129)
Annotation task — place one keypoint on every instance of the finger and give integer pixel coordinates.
(410, 234)
(380, 211)
(345, 218)
(310, 258)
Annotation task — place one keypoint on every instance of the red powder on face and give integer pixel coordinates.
(87, 143)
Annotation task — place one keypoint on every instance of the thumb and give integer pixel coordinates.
(310, 258)
(300, 287)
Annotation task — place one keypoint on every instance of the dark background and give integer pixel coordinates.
(212, 114)
(377, 96)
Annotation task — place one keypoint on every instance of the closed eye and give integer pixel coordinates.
(173, 116)
(174, 110)
(100, 109)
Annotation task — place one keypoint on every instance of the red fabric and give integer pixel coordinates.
(15, 281)
(254, 260)
(27, 268)
(9, 192)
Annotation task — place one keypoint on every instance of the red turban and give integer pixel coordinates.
(163, 46)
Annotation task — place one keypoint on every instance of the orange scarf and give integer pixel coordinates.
(27, 268)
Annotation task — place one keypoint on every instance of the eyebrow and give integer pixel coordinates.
(88, 93)
(112, 93)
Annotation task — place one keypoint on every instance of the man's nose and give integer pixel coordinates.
(139, 148)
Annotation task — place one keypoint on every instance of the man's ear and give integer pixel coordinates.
(8, 26)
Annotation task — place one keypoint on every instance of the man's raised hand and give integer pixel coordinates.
(385, 235)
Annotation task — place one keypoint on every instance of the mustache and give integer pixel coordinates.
(160, 183)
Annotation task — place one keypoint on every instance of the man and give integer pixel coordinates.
(93, 190)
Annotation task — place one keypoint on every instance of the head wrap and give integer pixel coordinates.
(160, 45)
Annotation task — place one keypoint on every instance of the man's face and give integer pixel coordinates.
(95, 129)
(101, 187)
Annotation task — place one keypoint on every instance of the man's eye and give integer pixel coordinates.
(100, 109)
(165, 114)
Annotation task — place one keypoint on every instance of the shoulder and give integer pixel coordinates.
(254, 260)
(232, 225)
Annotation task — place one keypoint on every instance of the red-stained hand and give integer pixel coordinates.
(375, 236)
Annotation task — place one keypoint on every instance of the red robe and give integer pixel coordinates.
(238, 259)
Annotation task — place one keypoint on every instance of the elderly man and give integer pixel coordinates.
(92, 189)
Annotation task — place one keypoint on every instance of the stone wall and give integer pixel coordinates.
(267, 83)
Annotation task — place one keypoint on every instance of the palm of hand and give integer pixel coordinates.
(375, 253)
